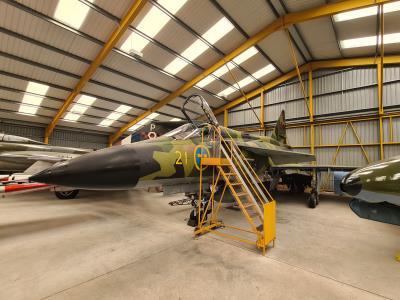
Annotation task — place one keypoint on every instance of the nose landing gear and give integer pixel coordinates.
(193, 220)
(63, 195)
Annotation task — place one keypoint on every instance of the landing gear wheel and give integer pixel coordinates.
(312, 200)
(67, 194)
(192, 221)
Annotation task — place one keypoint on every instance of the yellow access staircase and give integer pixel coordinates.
(253, 199)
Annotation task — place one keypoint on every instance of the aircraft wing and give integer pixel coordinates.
(33, 161)
(36, 155)
(311, 167)
(38, 166)
(278, 156)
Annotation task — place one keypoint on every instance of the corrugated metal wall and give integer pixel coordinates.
(336, 94)
(60, 137)
(344, 92)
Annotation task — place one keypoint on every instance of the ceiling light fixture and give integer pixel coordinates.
(212, 35)
(33, 98)
(151, 25)
(366, 12)
(71, 12)
(390, 38)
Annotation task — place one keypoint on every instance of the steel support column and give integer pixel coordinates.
(380, 82)
(262, 117)
(311, 109)
(226, 120)
(131, 14)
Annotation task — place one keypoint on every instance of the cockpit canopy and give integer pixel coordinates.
(186, 131)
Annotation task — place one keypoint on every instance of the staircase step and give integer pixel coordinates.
(247, 205)
(242, 194)
(236, 183)
(229, 174)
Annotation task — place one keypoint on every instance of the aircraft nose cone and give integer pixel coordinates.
(42, 176)
(351, 184)
(112, 168)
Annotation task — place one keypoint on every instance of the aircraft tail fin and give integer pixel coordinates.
(279, 132)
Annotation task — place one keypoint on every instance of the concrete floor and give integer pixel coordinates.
(133, 245)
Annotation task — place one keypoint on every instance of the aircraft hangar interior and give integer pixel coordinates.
(199, 149)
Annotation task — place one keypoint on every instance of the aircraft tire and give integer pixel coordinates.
(312, 200)
(67, 194)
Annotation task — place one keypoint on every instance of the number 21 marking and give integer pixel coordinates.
(179, 160)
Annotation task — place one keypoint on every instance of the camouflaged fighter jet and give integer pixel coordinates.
(376, 191)
(172, 160)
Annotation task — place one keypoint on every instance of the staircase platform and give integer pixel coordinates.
(214, 161)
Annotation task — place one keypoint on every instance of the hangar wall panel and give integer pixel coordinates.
(298, 136)
(394, 135)
(243, 117)
(391, 94)
(392, 150)
(35, 133)
(220, 119)
(60, 137)
(70, 138)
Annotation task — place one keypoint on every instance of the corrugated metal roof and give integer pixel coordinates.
(299, 5)
(277, 47)
(44, 50)
(252, 15)
(117, 8)
(320, 37)
(91, 24)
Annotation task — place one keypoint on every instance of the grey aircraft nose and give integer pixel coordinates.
(118, 167)
(351, 184)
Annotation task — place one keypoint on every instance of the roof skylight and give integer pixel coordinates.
(33, 98)
(143, 122)
(241, 58)
(264, 71)
(37, 88)
(134, 127)
(175, 120)
(28, 109)
(365, 12)
(86, 100)
(212, 35)
(218, 31)
(207, 80)
(71, 117)
(226, 92)
(115, 115)
(247, 80)
(123, 109)
(151, 25)
(390, 38)
(79, 108)
(135, 42)
(106, 122)
(71, 12)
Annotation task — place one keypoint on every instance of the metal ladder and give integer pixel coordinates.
(244, 184)
(230, 165)
(253, 199)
